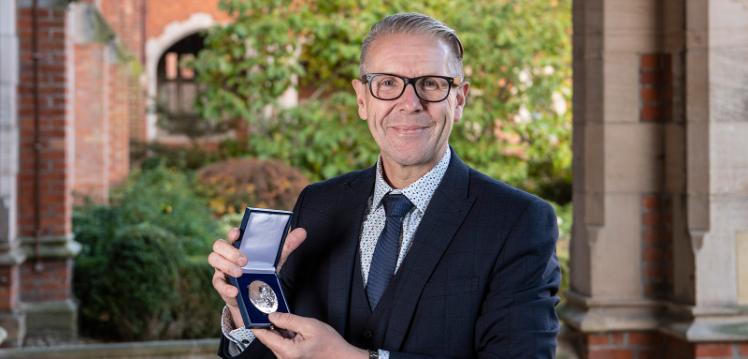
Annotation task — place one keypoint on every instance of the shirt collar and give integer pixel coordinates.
(419, 192)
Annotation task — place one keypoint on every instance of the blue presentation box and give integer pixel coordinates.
(261, 238)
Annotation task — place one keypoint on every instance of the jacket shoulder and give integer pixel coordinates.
(497, 193)
(331, 188)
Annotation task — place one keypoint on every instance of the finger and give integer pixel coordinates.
(222, 264)
(227, 291)
(276, 343)
(291, 322)
(229, 252)
(233, 235)
(293, 241)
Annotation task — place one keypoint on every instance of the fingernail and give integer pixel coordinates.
(242, 260)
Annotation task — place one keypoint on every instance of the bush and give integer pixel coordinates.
(127, 291)
(234, 184)
(166, 197)
(184, 158)
(135, 273)
(158, 196)
(199, 306)
(152, 155)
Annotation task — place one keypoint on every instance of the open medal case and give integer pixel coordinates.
(262, 233)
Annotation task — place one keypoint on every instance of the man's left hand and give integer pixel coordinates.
(313, 339)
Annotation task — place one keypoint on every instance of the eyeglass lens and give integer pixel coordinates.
(386, 87)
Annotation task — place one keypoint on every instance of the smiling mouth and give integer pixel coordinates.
(409, 130)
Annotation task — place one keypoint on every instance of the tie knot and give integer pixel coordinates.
(396, 205)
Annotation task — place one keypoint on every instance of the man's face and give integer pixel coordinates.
(410, 132)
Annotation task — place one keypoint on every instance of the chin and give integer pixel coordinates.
(411, 159)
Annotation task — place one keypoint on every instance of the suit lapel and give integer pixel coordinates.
(353, 201)
(444, 215)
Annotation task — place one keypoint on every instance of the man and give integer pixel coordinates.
(420, 255)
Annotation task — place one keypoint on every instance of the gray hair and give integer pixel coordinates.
(413, 23)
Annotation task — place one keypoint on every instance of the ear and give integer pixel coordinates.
(360, 89)
(461, 99)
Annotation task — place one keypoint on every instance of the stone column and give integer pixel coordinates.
(622, 79)
(45, 175)
(711, 285)
(11, 318)
(658, 253)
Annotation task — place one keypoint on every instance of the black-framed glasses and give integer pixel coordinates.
(429, 88)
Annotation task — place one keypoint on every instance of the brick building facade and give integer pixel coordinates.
(75, 89)
(659, 252)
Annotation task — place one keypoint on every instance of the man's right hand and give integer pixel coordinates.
(227, 260)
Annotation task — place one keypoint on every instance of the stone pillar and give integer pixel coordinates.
(45, 176)
(658, 251)
(712, 270)
(619, 125)
(11, 318)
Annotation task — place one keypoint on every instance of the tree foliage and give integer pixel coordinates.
(517, 124)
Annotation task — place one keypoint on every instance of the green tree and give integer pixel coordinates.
(517, 125)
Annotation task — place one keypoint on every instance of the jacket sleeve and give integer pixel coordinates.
(255, 350)
(518, 317)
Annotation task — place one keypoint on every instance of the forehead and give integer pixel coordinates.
(409, 55)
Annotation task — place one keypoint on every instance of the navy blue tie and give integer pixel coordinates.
(386, 252)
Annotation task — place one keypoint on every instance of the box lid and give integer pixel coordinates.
(262, 234)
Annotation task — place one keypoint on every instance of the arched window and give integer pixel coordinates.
(177, 90)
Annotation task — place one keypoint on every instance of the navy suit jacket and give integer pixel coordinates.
(479, 280)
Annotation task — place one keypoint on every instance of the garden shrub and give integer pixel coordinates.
(167, 198)
(143, 257)
(234, 184)
(154, 154)
(184, 158)
(129, 289)
(199, 306)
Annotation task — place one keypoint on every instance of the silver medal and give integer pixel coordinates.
(262, 297)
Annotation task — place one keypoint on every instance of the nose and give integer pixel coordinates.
(409, 101)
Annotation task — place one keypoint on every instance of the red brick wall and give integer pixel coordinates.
(91, 155)
(655, 345)
(162, 12)
(657, 253)
(131, 30)
(126, 95)
(119, 157)
(656, 105)
(54, 136)
(623, 345)
(46, 280)
(109, 102)
(655, 88)
(125, 18)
